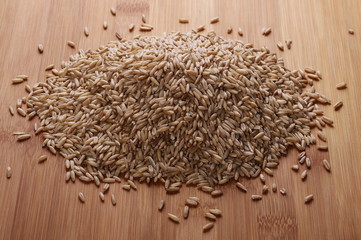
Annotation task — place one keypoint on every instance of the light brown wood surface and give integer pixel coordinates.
(36, 203)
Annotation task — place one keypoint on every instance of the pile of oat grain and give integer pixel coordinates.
(183, 108)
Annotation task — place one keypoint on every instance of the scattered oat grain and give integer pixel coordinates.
(102, 196)
(266, 31)
(183, 20)
(322, 147)
(161, 205)
(9, 172)
(106, 187)
(144, 20)
(105, 25)
(86, 31)
(207, 189)
(131, 27)
(23, 137)
(321, 136)
(71, 44)
(40, 48)
(326, 165)
(11, 110)
(17, 80)
(309, 198)
(295, 167)
(185, 212)
(173, 217)
(338, 105)
(195, 199)
(81, 197)
(113, 11)
(304, 175)
(216, 212)
(241, 187)
(28, 88)
(208, 227)
(256, 197)
(191, 203)
(262, 178)
(132, 184)
(145, 29)
(42, 158)
(201, 28)
(214, 20)
(308, 162)
(210, 216)
(274, 187)
(341, 85)
(216, 193)
(283, 191)
(50, 67)
(264, 189)
(288, 43)
(113, 200)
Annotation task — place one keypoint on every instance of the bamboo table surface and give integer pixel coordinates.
(36, 203)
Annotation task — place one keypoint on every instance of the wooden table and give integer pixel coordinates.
(36, 203)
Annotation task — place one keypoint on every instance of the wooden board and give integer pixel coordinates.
(37, 204)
